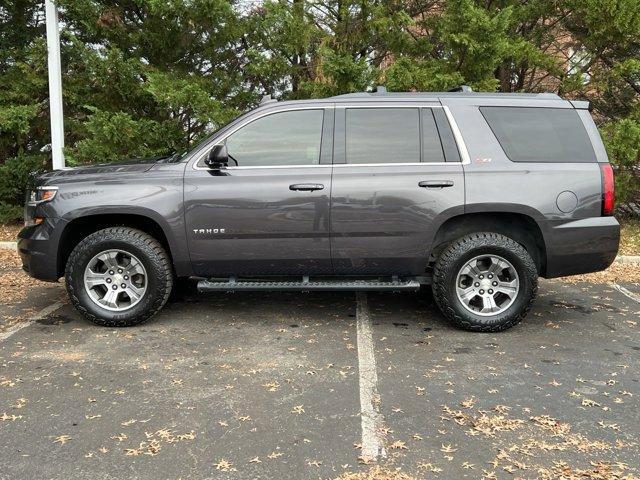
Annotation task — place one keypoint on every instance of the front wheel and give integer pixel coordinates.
(485, 282)
(119, 277)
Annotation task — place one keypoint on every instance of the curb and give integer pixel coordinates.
(619, 258)
(9, 245)
(627, 259)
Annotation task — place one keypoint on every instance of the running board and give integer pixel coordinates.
(326, 285)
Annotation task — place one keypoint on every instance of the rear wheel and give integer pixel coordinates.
(118, 277)
(485, 282)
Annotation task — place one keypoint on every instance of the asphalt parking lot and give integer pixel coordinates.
(318, 386)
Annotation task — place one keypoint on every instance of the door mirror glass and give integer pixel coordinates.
(217, 158)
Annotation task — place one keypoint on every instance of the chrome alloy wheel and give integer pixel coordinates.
(115, 280)
(487, 285)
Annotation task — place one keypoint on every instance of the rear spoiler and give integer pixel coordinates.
(581, 104)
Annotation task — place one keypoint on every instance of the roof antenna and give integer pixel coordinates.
(381, 89)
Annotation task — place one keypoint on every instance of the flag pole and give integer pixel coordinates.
(55, 84)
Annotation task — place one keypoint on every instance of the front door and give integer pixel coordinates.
(397, 175)
(268, 212)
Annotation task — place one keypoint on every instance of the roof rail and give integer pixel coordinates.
(461, 88)
(267, 99)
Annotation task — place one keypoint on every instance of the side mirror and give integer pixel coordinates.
(217, 158)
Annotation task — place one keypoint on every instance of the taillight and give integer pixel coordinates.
(608, 196)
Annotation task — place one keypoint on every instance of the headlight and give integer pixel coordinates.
(42, 195)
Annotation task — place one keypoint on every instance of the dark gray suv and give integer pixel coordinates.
(475, 194)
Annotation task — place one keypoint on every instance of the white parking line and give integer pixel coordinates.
(626, 292)
(370, 417)
(48, 310)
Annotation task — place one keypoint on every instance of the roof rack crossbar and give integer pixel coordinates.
(461, 88)
(267, 99)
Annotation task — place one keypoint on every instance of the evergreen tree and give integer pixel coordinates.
(607, 33)
(149, 77)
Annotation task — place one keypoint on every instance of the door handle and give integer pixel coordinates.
(306, 187)
(436, 183)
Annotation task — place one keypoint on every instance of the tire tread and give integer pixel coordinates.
(446, 262)
(156, 255)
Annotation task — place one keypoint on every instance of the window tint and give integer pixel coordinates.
(540, 134)
(431, 145)
(285, 138)
(449, 144)
(382, 135)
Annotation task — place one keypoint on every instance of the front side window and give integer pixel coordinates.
(284, 138)
(382, 135)
(533, 134)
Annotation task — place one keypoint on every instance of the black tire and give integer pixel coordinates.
(150, 253)
(453, 258)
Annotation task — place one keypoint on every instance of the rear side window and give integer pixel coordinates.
(383, 135)
(531, 134)
(431, 145)
(449, 145)
(399, 135)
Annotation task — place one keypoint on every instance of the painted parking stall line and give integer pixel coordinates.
(46, 311)
(370, 417)
(627, 293)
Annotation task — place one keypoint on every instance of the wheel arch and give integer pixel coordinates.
(521, 227)
(80, 226)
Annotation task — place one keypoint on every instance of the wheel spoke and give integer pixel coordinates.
(466, 294)
(497, 265)
(135, 293)
(471, 270)
(134, 267)
(508, 288)
(110, 298)
(489, 304)
(93, 279)
(110, 259)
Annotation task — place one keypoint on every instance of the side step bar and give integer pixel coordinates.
(306, 285)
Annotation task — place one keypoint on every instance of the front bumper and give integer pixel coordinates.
(38, 250)
(581, 246)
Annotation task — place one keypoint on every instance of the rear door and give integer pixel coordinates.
(269, 214)
(397, 174)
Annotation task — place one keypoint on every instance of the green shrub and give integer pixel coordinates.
(10, 213)
(14, 174)
(117, 135)
(622, 139)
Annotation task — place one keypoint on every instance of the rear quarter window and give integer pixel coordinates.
(534, 134)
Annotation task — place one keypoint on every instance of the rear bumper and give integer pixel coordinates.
(37, 247)
(581, 246)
